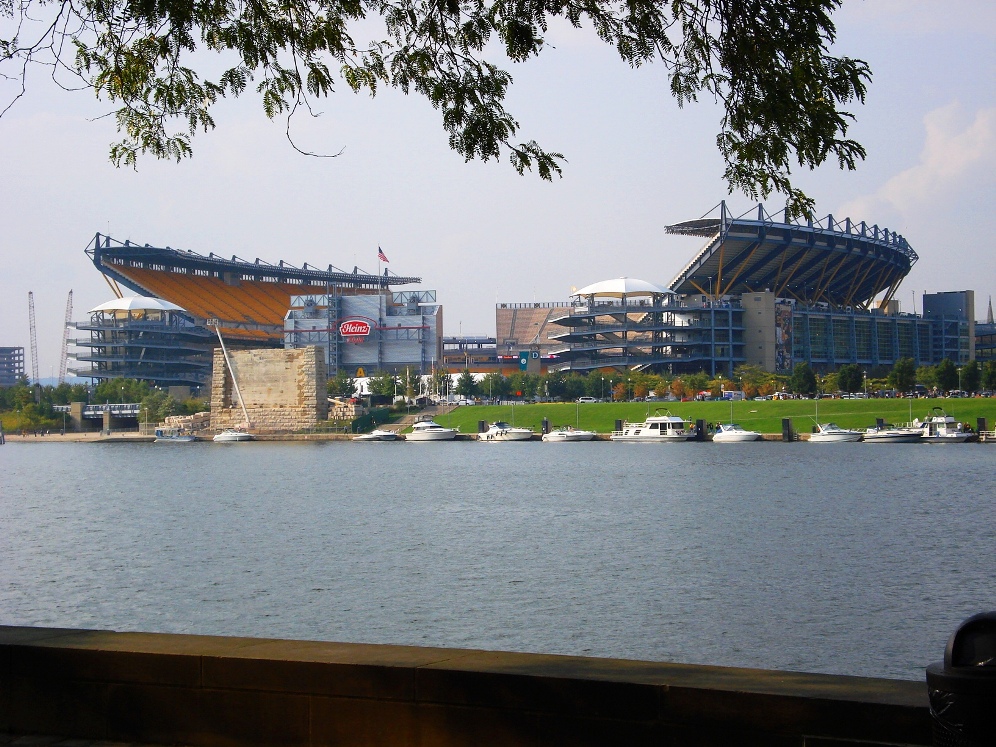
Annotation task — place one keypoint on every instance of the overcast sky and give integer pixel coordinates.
(479, 232)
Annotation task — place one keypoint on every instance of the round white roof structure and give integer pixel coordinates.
(137, 303)
(619, 287)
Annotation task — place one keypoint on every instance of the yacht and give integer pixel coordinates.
(890, 434)
(941, 428)
(732, 433)
(502, 431)
(665, 428)
(377, 435)
(568, 433)
(428, 430)
(831, 433)
(231, 435)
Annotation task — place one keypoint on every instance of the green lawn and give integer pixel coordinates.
(764, 417)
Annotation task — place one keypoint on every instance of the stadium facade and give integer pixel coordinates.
(767, 292)
(254, 305)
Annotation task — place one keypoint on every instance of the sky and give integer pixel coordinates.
(477, 232)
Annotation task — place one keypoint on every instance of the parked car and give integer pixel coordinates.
(587, 399)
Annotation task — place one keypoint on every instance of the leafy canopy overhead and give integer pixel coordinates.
(766, 61)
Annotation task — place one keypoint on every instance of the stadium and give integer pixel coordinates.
(254, 305)
(767, 292)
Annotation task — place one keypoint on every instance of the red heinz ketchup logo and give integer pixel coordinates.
(354, 327)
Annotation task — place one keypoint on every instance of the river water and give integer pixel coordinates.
(839, 558)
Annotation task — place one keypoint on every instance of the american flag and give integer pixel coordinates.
(381, 256)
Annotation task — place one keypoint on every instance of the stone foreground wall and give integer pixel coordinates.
(203, 690)
(284, 390)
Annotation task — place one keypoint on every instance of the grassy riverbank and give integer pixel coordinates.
(763, 417)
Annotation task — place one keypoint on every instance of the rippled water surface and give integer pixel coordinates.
(840, 558)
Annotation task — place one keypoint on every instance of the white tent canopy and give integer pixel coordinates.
(137, 303)
(619, 287)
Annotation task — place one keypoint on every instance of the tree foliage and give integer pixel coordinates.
(342, 385)
(383, 384)
(970, 376)
(766, 62)
(902, 378)
(466, 386)
(989, 375)
(947, 375)
(803, 379)
(850, 378)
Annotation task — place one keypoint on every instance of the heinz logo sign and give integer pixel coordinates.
(354, 328)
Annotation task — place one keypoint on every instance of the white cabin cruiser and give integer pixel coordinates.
(665, 428)
(890, 434)
(377, 435)
(232, 435)
(831, 433)
(941, 428)
(568, 433)
(729, 433)
(428, 430)
(502, 431)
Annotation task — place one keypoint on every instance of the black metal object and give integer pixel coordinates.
(700, 430)
(962, 688)
(482, 426)
(787, 434)
(546, 425)
(619, 424)
(981, 424)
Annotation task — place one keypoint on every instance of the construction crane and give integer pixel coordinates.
(34, 338)
(65, 338)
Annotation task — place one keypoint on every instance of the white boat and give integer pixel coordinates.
(831, 433)
(232, 435)
(665, 428)
(729, 433)
(173, 436)
(568, 433)
(502, 431)
(428, 430)
(377, 435)
(890, 434)
(941, 428)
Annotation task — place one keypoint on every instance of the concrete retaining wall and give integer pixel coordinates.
(203, 690)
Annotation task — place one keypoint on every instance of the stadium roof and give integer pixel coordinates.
(841, 263)
(619, 287)
(248, 299)
(136, 303)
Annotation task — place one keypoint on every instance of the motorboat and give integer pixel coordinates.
(568, 433)
(428, 430)
(665, 428)
(890, 434)
(831, 433)
(941, 428)
(733, 433)
(377, 435)
(232, 435)
(173, 436)
(502, 431)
